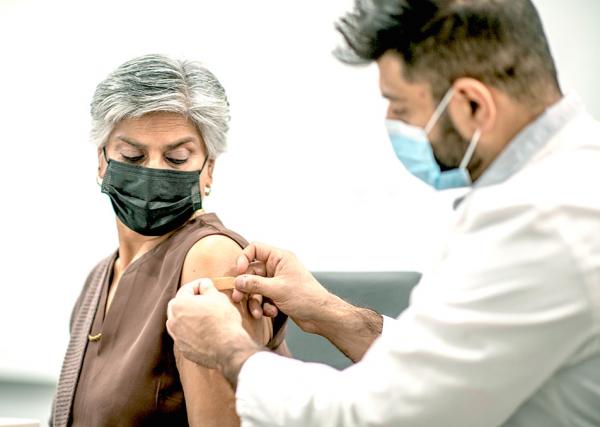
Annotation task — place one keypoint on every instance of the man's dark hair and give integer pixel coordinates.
(498, 42)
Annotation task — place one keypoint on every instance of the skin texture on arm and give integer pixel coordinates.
(297, 293)
(209, 398)
(351, 329)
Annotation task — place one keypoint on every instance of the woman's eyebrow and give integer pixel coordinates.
(131, 142)
(171, 146)
(180, 142)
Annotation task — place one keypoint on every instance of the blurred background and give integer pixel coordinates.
(309, 166)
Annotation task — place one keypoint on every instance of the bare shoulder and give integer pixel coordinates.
(214, 255)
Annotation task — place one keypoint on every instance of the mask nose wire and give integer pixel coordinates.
(439, 110)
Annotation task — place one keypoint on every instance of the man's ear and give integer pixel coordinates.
(472, 107)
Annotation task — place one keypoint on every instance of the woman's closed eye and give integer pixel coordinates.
(176, 161)
(133, 158)
(178, 156)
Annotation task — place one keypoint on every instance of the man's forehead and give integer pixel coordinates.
(393, 84)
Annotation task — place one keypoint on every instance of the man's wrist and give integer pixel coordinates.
(237, 352)
(321, 315)
(340, 312)
(351, 329)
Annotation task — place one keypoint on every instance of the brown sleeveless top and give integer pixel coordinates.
(127, 376)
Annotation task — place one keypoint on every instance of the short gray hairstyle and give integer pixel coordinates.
(156, 83)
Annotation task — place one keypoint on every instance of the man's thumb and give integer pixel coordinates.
(207, 287)
(250, 284)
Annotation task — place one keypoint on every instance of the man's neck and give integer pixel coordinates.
(513, 117)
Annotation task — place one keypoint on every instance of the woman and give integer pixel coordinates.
(159, 125)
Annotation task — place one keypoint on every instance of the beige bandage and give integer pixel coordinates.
(223, 283)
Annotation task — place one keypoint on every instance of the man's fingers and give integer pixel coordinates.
(255, 306)
(170, 310)
(246, 266)
(237, 296)
(242, 264)
(169, 329)
(264, 253)
(170, 317)
(191, 288)
(253, 252)
(249, 253)
(249, 284)
(269, 310)
(207, 287)
(257, 268)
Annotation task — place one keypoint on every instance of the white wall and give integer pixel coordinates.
(309, 166)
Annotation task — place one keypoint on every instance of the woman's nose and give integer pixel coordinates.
(155, 162)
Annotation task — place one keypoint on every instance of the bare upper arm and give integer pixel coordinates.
(209, 398)
(212, 256)
(216, 256)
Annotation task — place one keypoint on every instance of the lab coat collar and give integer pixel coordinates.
(527, 143)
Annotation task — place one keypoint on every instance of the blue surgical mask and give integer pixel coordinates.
(412, 147)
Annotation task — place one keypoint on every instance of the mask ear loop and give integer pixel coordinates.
(470, 150)
(439, 110)
(203, 164)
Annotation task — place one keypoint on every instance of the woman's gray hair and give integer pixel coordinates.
(156, 83)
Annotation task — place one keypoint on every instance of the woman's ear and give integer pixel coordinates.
(102, 164)
(472, 107)
(211, 168)
(207, 177)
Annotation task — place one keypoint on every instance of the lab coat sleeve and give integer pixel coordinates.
(388, 324)
(504, 309)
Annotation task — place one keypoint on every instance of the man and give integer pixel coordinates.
(505, 327)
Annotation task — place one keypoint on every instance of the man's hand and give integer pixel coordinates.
(208, 330)
(295, 291)
(288, 284)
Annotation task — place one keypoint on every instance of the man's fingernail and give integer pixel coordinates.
(205, 284)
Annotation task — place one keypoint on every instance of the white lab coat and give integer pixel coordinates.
(504, 329)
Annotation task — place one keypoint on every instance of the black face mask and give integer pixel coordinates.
(151, 201)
